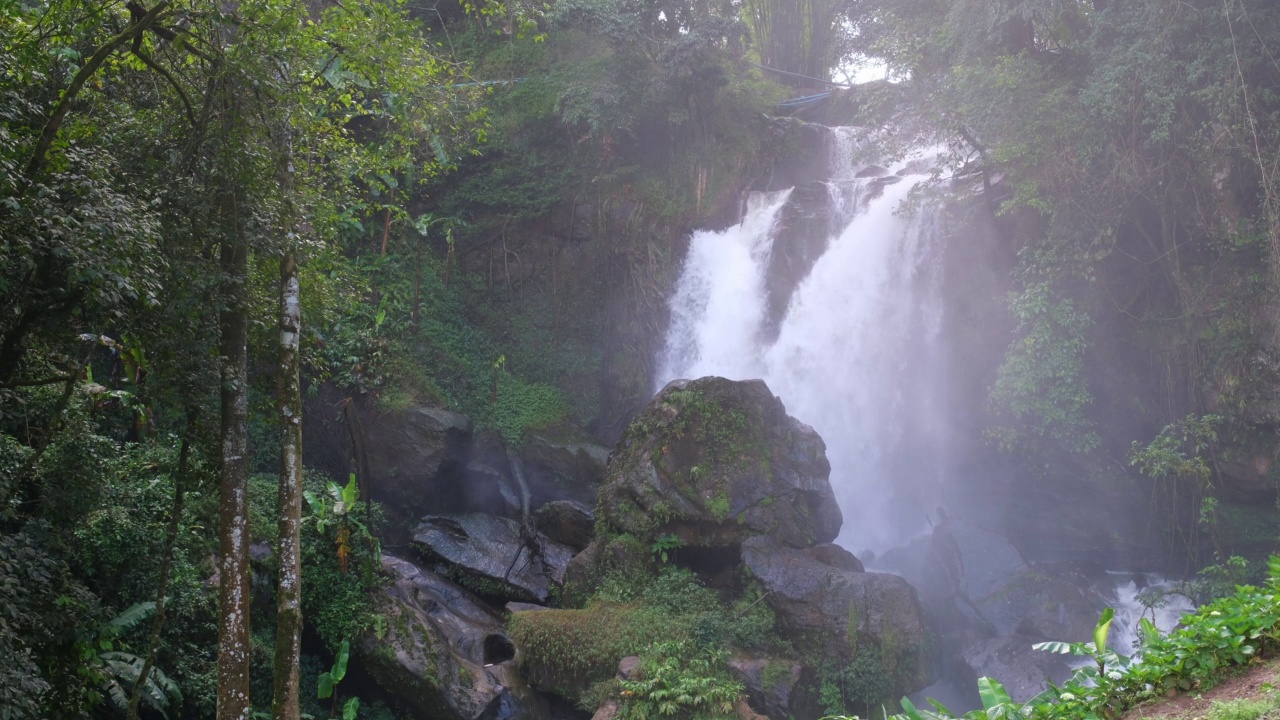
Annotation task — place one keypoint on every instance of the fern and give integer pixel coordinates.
(131, 617)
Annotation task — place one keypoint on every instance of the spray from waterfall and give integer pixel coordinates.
(855, 354)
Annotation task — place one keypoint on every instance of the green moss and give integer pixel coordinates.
(574, 649)
(719, 505)
(852, 630)
(775, 673)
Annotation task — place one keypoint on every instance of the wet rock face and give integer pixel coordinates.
(1021, 670)
(971, 577)
(832, 613)
(491, 551)
(416, 457)
(567, 522)
(444, 652)
(562, 467)
(991, 605)
(716, 461)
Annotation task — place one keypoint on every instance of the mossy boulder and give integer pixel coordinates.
(844, 617)
(715, 461)
(416, 457)
(443, 652)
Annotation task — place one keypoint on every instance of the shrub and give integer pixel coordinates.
(681, 681)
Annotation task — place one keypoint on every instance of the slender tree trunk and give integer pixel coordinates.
(166, 566)
(284, 704)
(233, 590)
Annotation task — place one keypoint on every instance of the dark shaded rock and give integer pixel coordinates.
(716, 461)
(416, 458)
(872, 171)
(1249, 479)
(831, 613)
(806, 158)
(804, 228)
(491, 550)
(777, 687)
(743, 711)
(444, 653)
(1023, 672)
(490, 486)
(491, 490)
(567, 522)
(261, 552)
(562, 466)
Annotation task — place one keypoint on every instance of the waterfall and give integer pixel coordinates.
(1166, 612)
(855, 354)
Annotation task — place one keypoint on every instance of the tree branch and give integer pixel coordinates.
(50, 131)
(173, 82)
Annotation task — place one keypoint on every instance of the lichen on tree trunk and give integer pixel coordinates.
(233, 540)
(284, 704)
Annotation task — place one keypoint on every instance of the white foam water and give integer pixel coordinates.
(855, 355)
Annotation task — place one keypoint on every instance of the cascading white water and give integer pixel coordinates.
(1125, 628)
(852, 356)
(719, 307)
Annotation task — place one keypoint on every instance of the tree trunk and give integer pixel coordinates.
(233, 536)
(284, 704)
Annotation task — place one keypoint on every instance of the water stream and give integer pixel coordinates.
(855, 354)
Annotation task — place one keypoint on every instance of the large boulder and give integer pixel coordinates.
(444, 652)
(567, 522)
(492, 555)
(1024, 672)
(838, 615)
(715, 461)
(560, 465)
(777, 687)
(416, 458)
(973, 578)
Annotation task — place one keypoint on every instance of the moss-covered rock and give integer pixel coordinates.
(840, 617)
(566, 651)
(715, 461)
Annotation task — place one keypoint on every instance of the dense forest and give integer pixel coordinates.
(328, 339)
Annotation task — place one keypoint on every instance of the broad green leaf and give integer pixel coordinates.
(1150, 633)
(1102, 629)
(339, 670)
(324, 686)
(992, 693)
(349, 492)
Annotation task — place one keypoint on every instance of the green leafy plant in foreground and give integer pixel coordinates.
(677, 679)
(328, 682)
(1230, 632)
(121, 670)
